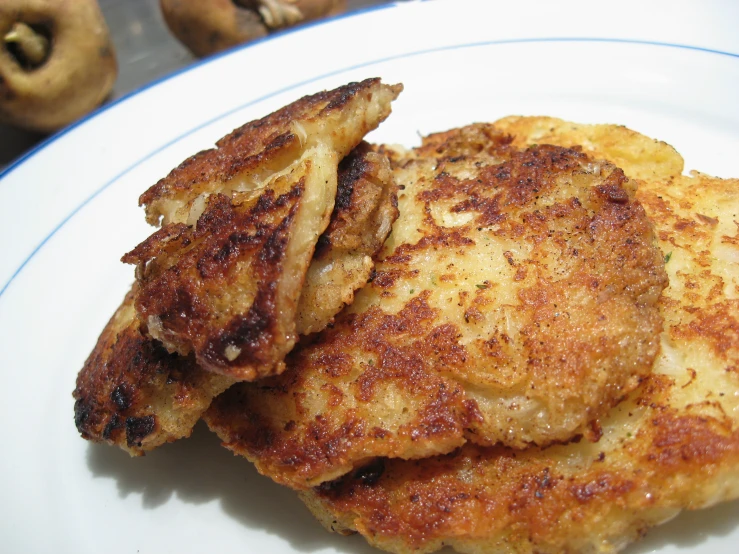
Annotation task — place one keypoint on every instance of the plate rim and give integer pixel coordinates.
(62, 134)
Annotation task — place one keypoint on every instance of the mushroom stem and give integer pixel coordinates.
(279, 13)
(30, 47)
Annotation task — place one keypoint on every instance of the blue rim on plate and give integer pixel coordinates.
(293, 86)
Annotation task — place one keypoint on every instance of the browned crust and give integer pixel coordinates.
(527, 500)
(326, 413)
(672, 445)
(222, 278)
(366, 205)
(187, 268)
(271, 423)
(132, 393)
(264, 146)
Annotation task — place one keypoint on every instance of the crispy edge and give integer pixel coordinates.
(133, 394)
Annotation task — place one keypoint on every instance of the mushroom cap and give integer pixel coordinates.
(209, 27)
(77, 75)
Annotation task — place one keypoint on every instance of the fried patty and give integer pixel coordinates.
(672, 445)
(132, 393)
(223, 276)
(515, 303)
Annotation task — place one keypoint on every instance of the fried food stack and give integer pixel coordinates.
(543, 355)
(225, 286)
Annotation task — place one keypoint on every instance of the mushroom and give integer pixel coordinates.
(206, 27)
(56, 62)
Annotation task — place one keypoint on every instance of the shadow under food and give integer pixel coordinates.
(198, 470)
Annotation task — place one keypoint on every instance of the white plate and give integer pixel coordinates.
(69, 210)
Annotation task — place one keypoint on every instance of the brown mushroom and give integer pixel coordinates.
(57, 62)
(209, 26)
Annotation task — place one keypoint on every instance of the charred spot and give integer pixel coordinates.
(114, 423)
(122, 396)
(82, 413)
(612, 189)
(379, 433)
(249, 332)
(328, 488)
(156, 244)
(370, 474)
(272, 241)
(596, 431)
(503, 173)
(276, 245)
(351, 169)
(280, 141)
(323, 246)
(488, 208)
(341, 96)
(613, 193)
(138, 428)
(233, 247)
(219, 213)
(472, 412)
(179, 309)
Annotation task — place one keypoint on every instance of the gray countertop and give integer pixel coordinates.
(145, 50)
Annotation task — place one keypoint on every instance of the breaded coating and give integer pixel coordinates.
(132, 393)
(515, 302)
(673, 445)
(130, 381)
(223, 276)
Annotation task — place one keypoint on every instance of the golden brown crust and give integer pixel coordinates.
(222, 278)
(308, 425)
(186, 272)
(515, 302)
(243, 158)
(131, 385)
(497, 500)
(132, 393)
(673, 445)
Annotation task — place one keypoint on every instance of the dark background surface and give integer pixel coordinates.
(145, 51)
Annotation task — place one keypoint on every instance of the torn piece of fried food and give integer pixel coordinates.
(132, 393)
(365, 210)
(130, 381)
(673, 445)
(223, 276)
(515, 302)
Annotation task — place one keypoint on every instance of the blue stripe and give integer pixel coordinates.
(287, 89)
